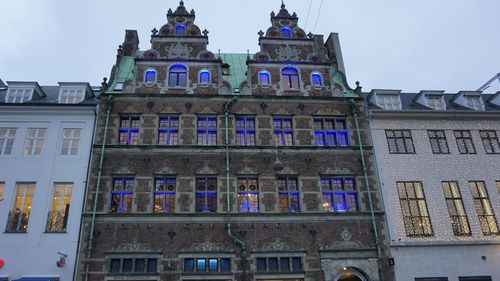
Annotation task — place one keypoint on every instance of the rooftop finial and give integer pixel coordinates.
(181, 3)
(282, 4)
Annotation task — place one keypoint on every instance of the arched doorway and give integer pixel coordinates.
(351, 274)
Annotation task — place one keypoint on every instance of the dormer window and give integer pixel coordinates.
(180, 30)
(150, 76)
(286, 32)
(474, 102)
(391, 102)
(290, 78)
(204, 77)
(264, 78)
(18, 95)
(71, 95)
(436, 102)
(177, 76)
(316, 79)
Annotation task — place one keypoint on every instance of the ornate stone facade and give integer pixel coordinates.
(288, 223)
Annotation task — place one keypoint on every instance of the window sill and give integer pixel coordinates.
(55, 232)
(15, 232)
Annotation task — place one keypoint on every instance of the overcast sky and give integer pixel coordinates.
(410, 45)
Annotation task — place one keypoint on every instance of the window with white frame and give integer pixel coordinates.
(18, 95)
(389, 101)
(20, 213)
(2, 188)
(436, 102)
(7, 136)
(70, 141)
(71, 95)
(474, 102)
(57, 220)
(34, 141)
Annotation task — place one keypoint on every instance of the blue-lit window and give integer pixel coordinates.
(286, 32)
(128, 133)
(339, 194)
(289, 194)
(245, 130)
(152, 265)
(283, 131)
(140, 265)
(180, 30)
(331, 131)
(168, 130)
(273, 264)
(201, 265)
(127, 265)
(121, 196)
(248, 195)
(225, 265)
(284, 264)
(261, 264)
(206, 194)
(177, 76)
(213, 265)
(290, 78)
(207, 130)
(115, 265)
(316, 79)
(264, 78)
(205, 77)
(164, 195)
(188, 265)
(297, 264)
(150, 76)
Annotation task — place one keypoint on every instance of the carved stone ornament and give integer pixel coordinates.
(178, 51)
(247, 171)
(207, 110)
(245, 110)
(282, 111)
(287, 171)
(131, 109)
(288, 53)
(166, 171)
(346, 235)
(123, 171)
(206, 171)
(328, 111)
(277, 244)
(337, 171)
(207, 246)
(133, 247)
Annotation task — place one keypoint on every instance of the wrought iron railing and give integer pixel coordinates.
(57, 221)
(17, 221)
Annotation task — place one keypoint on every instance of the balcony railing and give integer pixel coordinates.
(17, 221)
(57, 221)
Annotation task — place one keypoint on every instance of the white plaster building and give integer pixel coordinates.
(45, 139)
(438, 158)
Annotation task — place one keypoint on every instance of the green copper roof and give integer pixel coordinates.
(123, 72)
(237, 69)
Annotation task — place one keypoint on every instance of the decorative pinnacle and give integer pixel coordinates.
(154, 31)
(261, 33)
(282, 4)
(181, 3)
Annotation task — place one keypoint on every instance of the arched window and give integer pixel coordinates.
(204, 77)
(290, 78)
(177, 76)
(264, 78)
(150, 76)
(286, 32)
(316, 79)
(180, 30)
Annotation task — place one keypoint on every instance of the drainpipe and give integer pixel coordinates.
(355, 112)
(98, 185)
(89, 163)
(235, 240)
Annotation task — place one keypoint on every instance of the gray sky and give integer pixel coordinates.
(411, 45)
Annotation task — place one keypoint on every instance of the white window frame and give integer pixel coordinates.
(436, 102)
(61, 209)
(2, 190)
(18, 95)
(474, 102)
(36, 139)
(71, 95)
(73, 142)
(7, 140)
(389, 102)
